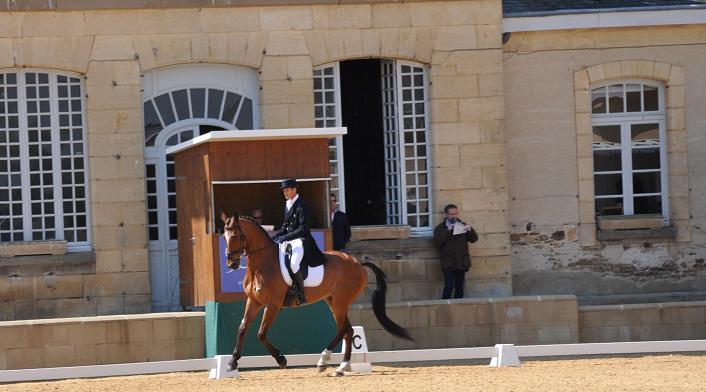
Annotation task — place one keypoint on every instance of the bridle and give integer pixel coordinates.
(243, 242)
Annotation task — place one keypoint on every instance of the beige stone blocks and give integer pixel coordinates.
(452, 179)
(446, 156)
(109, 339)
(118, 237)
(482, 155)
(391, 15)
(215, 20)
(286, 43)
(444, 110)
(113, 97)
(11, 24)
(49, 24)
(126, 122)
(68, 53)
(454, 87)
(179, 21)
(455, 133)
(108, 73)
(456, 38)
(348, 16)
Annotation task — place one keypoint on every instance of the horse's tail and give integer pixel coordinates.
(378, 301)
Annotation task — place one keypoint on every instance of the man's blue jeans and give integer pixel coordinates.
(453, 281)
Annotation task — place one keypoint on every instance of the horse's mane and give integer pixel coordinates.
(251, 219)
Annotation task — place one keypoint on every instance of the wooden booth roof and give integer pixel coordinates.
(259, 134)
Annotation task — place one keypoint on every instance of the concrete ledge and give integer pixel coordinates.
(381, 232)
(65, 264)
(609, 235)
(620, 222)
(101, 340)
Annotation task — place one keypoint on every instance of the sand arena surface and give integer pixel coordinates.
(627, 373)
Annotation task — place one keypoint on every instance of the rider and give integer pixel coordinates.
(296, 232)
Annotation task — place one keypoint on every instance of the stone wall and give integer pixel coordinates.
(638, 322)
(473, 322)
(553, 233)
(101, 340)
(459, 41)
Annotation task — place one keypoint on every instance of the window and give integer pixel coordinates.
(43, 192)
(629, 154)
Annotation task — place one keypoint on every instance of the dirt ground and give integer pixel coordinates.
(632, 373)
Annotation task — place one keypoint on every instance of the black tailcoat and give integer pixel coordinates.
(297, 224)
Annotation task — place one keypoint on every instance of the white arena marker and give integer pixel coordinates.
(360, 345)
(221, 369)
(505, 355)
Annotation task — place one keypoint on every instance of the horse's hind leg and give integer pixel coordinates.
(251, 309)
(343, 326)
(268, 317)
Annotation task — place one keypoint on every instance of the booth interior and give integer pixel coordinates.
(245, 196)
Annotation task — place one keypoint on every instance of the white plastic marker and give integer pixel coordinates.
(360, 345)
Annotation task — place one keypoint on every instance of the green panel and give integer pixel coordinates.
(304, 330)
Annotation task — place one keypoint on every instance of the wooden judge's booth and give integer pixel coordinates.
(238, 171)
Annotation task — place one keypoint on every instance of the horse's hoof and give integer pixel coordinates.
(232, 365)
(338, 373)
(282, 362)
(322, 368)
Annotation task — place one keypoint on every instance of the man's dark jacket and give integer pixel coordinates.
(453, 248)
(297, 223)
(341, 230)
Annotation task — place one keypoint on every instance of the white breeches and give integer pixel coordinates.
(297, 252)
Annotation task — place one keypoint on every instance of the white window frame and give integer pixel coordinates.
(75, 246)
(624, 120)
(338, 146)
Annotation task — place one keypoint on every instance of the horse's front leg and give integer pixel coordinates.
(251, 309)
(268, 317)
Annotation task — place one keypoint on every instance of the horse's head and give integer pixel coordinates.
(235, 240)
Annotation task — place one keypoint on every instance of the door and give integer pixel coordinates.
(181, 103)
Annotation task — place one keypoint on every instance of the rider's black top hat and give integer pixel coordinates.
(291, 183)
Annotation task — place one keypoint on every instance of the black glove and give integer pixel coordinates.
(277, 239)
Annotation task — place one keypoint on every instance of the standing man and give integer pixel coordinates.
(451, 237)
(296, 232)
(340, 227)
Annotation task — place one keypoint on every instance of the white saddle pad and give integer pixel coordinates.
(316, 274)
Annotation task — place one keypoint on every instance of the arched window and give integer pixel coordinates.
(43, 191)
(629, 151)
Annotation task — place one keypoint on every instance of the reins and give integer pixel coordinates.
(243, 242)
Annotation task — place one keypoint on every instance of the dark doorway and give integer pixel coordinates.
(363, 149)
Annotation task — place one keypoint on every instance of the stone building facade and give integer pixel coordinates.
(124, 59)
(502, 127)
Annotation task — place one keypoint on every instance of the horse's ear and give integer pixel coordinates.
(224, 217)
(235, 215)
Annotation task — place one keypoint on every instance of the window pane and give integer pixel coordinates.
(245, 117)
(598, 100)
(645, 158)
(152, 123)
(164, 105)
(644, 134)
(606, 136)
(648, 205)
(198, 102)
(651, 98)
(607, 160)
(612, 206)
(215, 98)
(646, 183)
(633, 95)
(615, 98)
(608, 184)
(181, 102)
(231, 106)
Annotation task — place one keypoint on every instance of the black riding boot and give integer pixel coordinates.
(298, 284)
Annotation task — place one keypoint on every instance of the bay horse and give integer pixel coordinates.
(264, 286)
